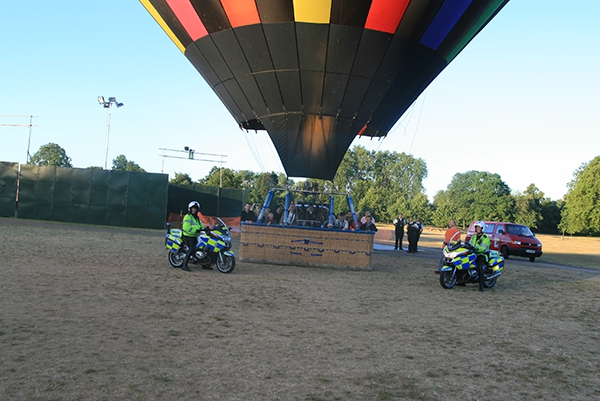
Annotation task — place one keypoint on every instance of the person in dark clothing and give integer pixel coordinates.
(248, 215)
(270, 220)
(351, 225)
(399, 224)
(340, 222)
(420, 230)
(368, 225)
(413, 231)
(278, 215)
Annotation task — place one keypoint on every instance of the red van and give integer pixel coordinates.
(510, 239)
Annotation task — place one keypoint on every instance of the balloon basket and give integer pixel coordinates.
(305, 246)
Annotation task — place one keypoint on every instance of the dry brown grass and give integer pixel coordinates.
(98, 314)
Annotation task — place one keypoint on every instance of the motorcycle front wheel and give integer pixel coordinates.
(447, 279)
(490, 282)
(176, 258)
(225, 263)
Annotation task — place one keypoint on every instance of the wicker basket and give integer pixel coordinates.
(306, 246)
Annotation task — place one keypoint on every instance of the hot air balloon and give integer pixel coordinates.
(316, 73)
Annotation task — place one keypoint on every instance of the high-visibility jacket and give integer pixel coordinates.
(481, 243)
(192, 225)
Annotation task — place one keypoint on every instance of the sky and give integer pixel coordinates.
(521, 100)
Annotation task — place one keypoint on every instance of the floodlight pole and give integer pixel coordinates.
(107, 105)
(106, 139)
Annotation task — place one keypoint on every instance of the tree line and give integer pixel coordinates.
(388, 183)
(52, 154)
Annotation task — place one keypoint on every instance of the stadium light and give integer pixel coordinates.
(107, 105)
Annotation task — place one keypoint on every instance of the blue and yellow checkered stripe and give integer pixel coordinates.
(465, 262)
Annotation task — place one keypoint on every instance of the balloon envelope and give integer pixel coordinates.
(317, 73)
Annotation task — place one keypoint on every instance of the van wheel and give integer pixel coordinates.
(504, 251)
(532, 259)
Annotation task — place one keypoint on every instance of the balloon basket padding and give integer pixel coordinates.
(305, 246)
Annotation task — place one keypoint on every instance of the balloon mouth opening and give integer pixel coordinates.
(253, 125)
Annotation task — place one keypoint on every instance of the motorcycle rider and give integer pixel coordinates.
(481, 243)
(192, 225)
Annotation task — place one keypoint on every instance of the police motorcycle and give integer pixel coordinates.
(459, 266)
(214, 248)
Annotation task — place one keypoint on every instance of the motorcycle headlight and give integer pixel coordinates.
(450, 255)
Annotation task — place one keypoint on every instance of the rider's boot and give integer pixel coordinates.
(481, 279)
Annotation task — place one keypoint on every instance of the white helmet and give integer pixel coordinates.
(480, 224)
(192, 204)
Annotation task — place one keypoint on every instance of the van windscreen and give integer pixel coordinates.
(515, 229)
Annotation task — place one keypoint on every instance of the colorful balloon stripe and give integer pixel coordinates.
(385, 15)
(241, 12)
(312, 11)
(186, 14)
(161, 22)
(443, 22)
(487, 16)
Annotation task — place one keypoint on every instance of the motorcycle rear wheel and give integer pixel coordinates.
(176, 258)
(226, 265)
(447, 279)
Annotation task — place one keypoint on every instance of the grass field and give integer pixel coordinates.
(96, 313)
(567, 250)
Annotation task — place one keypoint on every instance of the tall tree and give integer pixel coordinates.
(444, 209)
(551, 211)
(182, 179)
(257, 184)
(387, 183)
(581, 213)
(475, 195)
(121, 163)
(228, 177)
(51, 154)
(263, 183)
(528, 207)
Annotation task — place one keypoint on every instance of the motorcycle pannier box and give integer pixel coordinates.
(173, 240)
(496, 261)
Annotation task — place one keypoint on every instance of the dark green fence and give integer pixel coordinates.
(102, 197)
(214, 201)
(8, 188)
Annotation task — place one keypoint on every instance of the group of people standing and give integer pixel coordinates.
(414, 228)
